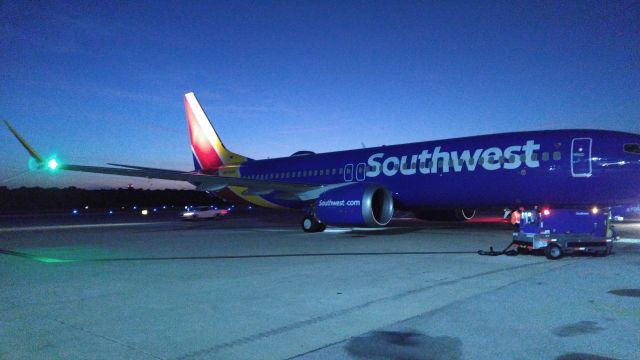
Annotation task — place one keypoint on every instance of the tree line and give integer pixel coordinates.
(36, 198)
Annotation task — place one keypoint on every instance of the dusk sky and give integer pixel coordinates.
(104, 82)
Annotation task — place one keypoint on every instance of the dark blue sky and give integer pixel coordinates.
(100, 83)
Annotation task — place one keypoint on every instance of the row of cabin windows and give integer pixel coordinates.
(322, 172)
(297, 174)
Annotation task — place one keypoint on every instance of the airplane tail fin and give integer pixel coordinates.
(209, 152)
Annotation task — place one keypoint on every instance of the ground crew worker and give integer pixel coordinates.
(515, 220)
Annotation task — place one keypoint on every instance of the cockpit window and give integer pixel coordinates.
(632, 148)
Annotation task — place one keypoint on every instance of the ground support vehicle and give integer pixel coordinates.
(564, 231)
(202, 212)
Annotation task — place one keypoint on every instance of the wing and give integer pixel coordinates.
(283, 190)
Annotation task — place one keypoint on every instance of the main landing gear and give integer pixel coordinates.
(311, 224)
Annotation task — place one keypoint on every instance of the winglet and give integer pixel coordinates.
(34, 154)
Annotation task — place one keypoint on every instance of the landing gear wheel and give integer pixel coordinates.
(553, 252)
(311, 224)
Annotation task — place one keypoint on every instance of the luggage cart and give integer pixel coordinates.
(564, 231)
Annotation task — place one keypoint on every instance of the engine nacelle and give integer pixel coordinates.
(365, 205)
(445, 214)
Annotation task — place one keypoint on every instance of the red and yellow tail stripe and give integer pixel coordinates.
(212, 157)
(207, 147)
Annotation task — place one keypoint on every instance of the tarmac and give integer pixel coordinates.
(254, 286)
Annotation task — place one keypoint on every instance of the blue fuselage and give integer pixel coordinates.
(553, 168)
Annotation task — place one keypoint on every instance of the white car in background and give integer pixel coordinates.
(203, 212)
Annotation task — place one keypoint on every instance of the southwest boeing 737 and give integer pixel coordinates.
(434, 179)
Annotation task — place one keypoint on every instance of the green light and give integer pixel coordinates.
(48, 260)
(52, 164)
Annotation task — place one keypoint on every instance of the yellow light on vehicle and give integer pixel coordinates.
(594, 210)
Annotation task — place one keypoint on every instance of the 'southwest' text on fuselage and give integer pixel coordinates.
(432, 162)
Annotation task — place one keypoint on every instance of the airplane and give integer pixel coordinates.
(436, 180)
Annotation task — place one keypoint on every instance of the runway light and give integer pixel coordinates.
(86, 207)
(145, 212)
(154, 209)
(594, 210)
(135, 208)
(52, 164)
(110, 212)
(164, 206)
(75, 211)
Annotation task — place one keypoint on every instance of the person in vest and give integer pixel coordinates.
(515, 219)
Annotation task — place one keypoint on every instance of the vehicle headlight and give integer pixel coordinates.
(190, 213)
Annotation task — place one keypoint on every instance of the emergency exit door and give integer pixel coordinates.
(581, 157)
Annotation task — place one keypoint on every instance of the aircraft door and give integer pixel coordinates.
(361, 171)
(348, 172)
(581, 157)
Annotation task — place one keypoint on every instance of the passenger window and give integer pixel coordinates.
(450, 162)
(460, 162)
(413, 166)
(397, 167)
(545, 156)
(440, 164)
(523, 158)
(340, 171)
(472, 161)
(430, 164)
(512, 159)
(333, 171)
(556, 155)
(422, 164)
(321, 172)
(534, 157)
(315, 172)
(481, 161)
(632, 148)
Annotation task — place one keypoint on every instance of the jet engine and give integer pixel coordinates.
(365, 205)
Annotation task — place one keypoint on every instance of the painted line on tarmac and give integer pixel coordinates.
(66, 227)
(628, 241)
(49, 260)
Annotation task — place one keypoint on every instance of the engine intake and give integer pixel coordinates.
(359, 204)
